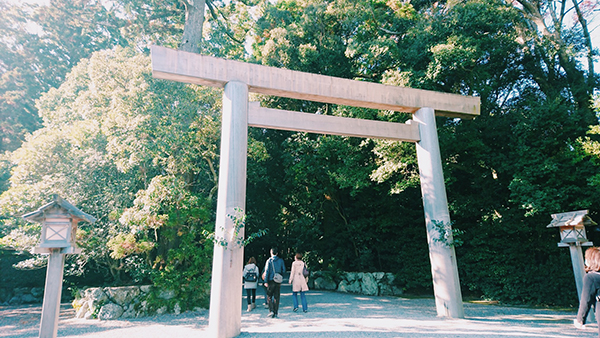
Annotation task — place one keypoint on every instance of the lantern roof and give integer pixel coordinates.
(572, 218)
(38, 215)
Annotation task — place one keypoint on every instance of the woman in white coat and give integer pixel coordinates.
(298, 282)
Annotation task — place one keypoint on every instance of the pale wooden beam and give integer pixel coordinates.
(333, 125)
(187, 67)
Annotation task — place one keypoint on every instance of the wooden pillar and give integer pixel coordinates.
(578, 266)
(52, 292)
(225, 316)
(444, 270)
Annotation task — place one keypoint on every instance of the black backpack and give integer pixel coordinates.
(250, 276)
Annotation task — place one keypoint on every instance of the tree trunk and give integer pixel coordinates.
(194, 20)
(578, 83)
(588, 43)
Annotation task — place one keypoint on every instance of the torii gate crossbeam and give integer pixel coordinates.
(239, 78)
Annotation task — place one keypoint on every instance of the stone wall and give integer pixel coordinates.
(21, 295)
(119, 302)
(131, 301)
(29, 295)
(18, 286)
(365, 283)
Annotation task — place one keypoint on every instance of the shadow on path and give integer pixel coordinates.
(330, 314)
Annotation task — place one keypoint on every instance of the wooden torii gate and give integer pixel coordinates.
(240, 78)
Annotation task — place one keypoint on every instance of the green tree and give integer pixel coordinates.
(328, 204)
(506, 171)
(110, 134)
(181, 24)
(39, 45)
(557, 47)
(141, 154)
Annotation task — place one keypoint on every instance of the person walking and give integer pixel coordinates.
(251, 274)
(590, 289)
(298, 282)
(274, 270)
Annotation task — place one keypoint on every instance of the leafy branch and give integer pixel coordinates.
(239, 222)
(447, 235)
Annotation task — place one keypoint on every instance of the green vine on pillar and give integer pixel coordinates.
(447, 235)
(237, 238)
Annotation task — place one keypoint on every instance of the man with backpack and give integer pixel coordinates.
(273, 276)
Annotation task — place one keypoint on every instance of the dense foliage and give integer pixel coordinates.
(141, 154)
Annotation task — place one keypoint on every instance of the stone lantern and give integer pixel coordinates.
(59, 220)
(572, 234)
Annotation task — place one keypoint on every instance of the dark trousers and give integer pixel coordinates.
(266, 298)
(582, 318)
(251, 296)
(589, 291)
(273, 295)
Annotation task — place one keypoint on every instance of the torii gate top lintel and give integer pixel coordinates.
(170, 64)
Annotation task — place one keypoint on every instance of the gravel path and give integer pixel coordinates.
(330, 315)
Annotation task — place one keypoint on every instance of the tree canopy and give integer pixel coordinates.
(141, 154)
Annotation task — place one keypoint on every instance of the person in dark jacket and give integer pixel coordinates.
(273, 266)
(591, 286)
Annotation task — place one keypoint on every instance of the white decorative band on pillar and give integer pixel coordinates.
(444, 270)
(225, 314)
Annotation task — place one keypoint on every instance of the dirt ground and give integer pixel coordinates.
(330, 315)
